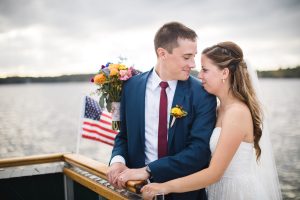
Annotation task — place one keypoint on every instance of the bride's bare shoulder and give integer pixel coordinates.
(238, 111)
(238, 106)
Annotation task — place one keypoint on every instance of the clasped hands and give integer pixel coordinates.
(118, 174)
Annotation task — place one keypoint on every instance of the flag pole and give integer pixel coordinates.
(82, 111)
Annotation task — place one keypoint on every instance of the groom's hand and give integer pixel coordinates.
(114, 171)
(139, 174)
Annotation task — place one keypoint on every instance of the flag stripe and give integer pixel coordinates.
(99, 133)
(105, 114)
(100, 127)
(105, 122)
(97, 139)
(107, 126)
(97, 136)
(95, 129)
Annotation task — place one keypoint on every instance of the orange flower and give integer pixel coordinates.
(113, 71)
(99, 78)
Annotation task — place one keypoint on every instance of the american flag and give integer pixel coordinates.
(96, 123)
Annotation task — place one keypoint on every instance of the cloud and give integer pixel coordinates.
(54, 36)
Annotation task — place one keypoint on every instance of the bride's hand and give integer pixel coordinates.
(149, 191)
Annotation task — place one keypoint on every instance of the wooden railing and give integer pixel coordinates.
(31, 160)
(89, 165)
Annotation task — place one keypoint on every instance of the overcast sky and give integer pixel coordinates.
(52, 37)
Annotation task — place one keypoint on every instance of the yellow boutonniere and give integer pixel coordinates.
(177, 112)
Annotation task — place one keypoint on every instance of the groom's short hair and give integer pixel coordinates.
(167, 36)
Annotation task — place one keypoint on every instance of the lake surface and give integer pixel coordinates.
(44, 118)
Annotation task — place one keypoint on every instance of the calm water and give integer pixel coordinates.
(43, 118)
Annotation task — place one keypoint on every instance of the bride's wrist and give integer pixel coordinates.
(167, 188)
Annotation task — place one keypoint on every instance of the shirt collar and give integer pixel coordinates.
(155, 81)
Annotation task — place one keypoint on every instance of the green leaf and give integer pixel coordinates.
(108, 106)
(101, 101)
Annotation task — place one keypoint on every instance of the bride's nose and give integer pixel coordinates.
(200, 75)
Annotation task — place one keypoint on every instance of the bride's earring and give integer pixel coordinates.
(223, 80)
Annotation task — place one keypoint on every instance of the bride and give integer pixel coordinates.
(242, 164)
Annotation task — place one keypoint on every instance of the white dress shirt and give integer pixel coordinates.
(152, 99)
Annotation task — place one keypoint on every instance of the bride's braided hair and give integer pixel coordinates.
(230, 55)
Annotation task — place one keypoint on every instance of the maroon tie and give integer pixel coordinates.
(163, 121)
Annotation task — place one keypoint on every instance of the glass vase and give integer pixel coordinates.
(115, 111)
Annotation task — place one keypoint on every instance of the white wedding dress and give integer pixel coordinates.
(239, 181)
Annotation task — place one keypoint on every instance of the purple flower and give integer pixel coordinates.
(106, 71)
(134, 71)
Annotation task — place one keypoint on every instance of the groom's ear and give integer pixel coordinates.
(161, 53)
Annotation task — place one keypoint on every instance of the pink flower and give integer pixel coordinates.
(125, 74)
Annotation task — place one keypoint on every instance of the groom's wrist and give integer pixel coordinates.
(148, 171)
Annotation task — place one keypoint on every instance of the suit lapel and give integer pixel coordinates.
(179, 97)
(141, 106)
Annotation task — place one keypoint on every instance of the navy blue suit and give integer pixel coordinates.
(188, 138)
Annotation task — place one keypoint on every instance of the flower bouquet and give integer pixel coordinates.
(110, 80)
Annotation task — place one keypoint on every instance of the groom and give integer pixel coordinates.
(151, 143)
